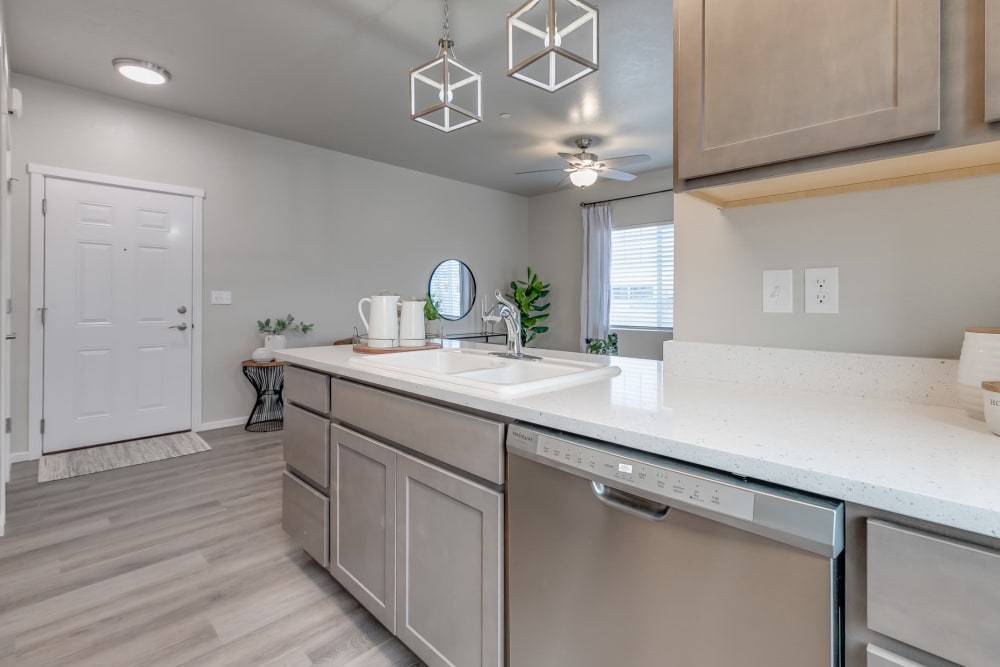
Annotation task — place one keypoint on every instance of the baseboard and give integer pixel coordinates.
(222, 423)
(18, 457)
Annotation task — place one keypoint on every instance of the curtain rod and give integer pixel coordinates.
(585, 204)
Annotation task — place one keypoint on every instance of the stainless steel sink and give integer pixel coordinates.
(478, 369)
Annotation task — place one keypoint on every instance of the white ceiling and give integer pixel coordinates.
(333, 73)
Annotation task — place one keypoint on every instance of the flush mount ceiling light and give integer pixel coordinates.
(141, 71)
(553, 43)
(444, 93)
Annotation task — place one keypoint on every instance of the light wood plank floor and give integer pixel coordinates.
(177, 562)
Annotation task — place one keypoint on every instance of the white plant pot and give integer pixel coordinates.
(274, 342)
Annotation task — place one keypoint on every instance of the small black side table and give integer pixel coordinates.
(268, 379)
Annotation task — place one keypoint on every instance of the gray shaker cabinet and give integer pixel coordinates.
(992, 81)
(449, 536)
(766, 81)
(362, 520)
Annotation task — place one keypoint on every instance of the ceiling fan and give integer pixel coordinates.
(585, 168)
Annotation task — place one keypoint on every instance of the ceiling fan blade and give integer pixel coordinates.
(564, 182)
(616, 175)
(625, 160)
(572, 159)
(537, 171)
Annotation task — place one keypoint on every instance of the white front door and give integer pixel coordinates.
(118, 300)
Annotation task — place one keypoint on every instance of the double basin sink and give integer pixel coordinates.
(478, 369)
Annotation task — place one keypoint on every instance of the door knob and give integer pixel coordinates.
(180, 327)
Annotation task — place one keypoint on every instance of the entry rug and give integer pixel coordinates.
(119, 455)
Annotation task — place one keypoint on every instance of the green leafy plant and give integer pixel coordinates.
(607, 345)
(282, 325)
(527, 294)
(431, 308)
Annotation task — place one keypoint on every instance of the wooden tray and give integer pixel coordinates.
(361, 348)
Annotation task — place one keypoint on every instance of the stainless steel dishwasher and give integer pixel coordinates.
(616, 557)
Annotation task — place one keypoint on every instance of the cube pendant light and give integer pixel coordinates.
(552, 43)
(444, 93)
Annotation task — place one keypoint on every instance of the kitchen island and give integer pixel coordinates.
(920, 530)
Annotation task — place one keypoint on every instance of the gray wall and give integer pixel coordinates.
(287, 227)
(556, 253)
(918, 264)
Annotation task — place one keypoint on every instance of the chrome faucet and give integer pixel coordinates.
(511, 316)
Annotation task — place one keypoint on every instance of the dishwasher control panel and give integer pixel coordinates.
(672, 485)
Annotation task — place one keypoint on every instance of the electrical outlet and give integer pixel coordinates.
(776, 289)
(222, 298)
(823, 290)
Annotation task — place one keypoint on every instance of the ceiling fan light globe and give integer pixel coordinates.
(583, 178)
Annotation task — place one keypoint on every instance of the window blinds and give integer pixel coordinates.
(642, 277)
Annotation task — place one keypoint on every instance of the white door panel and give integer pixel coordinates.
(118, 266)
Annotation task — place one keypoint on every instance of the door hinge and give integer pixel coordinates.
(10, 306)
(45, 206)
(6, 425)
(42, 427)
(43, 310)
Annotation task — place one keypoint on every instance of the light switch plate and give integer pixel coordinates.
(823, 290)
(222, 298)
(776, 289)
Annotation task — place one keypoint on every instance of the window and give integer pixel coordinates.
(642, 277)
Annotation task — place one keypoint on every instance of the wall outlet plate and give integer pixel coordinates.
(221, 298)
(776, 290)
(823, 290)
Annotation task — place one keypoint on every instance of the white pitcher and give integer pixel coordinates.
(383, 329)
(411, 324)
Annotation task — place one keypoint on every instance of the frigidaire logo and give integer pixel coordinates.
(523, 436)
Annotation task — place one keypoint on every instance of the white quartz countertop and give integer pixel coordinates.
(926, 462)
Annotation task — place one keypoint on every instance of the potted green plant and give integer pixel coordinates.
(607, 345)
(274, 333)
(431, 314)
(527, 294)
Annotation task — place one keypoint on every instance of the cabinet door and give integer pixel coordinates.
(362, 520)
(992, 60)
(449, 602)
(762, 81)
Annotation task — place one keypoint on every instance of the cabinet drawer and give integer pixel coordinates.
(308, 389)
(879, 657)
(469, 443)
(307, 444)
(305, 517)
(937, 594)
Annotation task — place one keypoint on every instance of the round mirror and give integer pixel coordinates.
(453, 288)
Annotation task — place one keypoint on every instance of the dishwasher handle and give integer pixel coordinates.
(629, 503)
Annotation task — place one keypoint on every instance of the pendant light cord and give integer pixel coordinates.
(445, 42)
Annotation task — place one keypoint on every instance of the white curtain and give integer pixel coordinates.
(595, 290)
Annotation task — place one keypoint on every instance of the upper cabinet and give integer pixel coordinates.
(762, 81)
(783, 99)
(992, 60)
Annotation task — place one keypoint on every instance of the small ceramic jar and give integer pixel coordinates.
(991, 405)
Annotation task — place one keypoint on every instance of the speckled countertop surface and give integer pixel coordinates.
(925, 461)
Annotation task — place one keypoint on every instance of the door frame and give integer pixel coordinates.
(36, 332)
